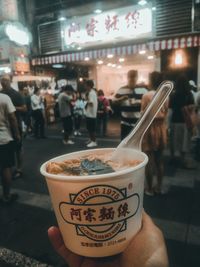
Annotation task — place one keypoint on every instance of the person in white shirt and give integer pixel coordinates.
(91, 112)
(78, 111)
(37, 106)
(9, 132)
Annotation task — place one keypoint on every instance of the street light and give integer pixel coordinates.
(100, 62)
(142, 2)
(142, 52)
(98, 11)
(62, 19)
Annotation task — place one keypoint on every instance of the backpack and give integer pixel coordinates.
(101, 106)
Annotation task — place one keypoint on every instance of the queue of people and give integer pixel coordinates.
(177, 122)
(94, 107)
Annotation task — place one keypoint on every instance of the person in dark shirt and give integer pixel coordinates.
(129, 97)
(179, 134)
(20, 107)
(26, 116)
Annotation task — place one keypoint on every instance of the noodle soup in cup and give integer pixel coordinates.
(98, 214)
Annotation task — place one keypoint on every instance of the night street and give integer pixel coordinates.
(79, 75)
(23, 234)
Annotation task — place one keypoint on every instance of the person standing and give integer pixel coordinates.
(155, 139)
(179, 132)
(91, 112)
(103, 112)
(79, 106)
(65, 109)
(37, 106)
(129, 98)
(20, 107)
(9, 131)
(27, 115)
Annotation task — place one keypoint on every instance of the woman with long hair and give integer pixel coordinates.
(155, 139)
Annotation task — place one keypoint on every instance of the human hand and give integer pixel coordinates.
(146, 249)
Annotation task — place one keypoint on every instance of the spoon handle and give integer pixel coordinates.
(134, 139)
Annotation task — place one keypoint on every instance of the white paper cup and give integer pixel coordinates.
(98, 215)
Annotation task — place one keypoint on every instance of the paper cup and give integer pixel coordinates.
(98, 215)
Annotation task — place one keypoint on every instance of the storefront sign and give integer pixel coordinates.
(158, 45)
(17, 33)
(21, 66)
(113, 26)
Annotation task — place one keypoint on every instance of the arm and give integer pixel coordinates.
(22, 108)
(67, 98)
(20, 105)
(144, 102)
(90, 101)
(34, 101)
(119, 98)
(14, 125)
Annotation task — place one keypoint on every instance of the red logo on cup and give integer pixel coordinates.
(100, 212)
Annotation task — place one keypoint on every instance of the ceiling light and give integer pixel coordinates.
(113, 65)
(109, 64)
(62, 19)
(119, 67)
(100, 62)
(87, 59)
(178, 59)
(142, 2)
(79, 48)
(154, 8)
(110, 56)
(98, 11)
(80, 79)
(57, 66)
(142, 52)
(5, 69)
(73, 23)
(121, 60)
(150, 57)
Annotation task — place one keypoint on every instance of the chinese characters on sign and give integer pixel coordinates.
(121, 24)
(111, 23)
(91, 27)
(110, 208)
(132, 18)
(104, 213)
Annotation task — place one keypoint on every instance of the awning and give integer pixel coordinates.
(157, 45)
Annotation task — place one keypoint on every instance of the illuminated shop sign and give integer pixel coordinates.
(17, 33)
(113, 26)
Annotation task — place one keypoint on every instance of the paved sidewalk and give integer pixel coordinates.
(23, 225)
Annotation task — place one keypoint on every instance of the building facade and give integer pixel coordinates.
(108, 39)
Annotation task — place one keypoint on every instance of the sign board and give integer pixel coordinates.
(113, 26)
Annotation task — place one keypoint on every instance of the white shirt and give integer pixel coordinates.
(36, 102)
(91, 109)
(6, 108)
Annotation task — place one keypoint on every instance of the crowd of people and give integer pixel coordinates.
(177, 123)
